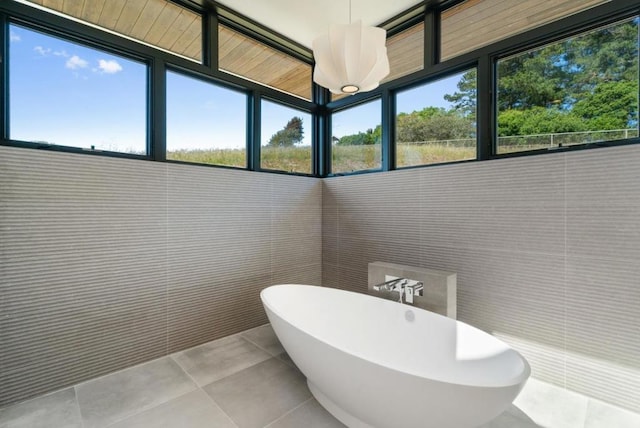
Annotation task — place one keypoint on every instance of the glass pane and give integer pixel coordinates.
(206, 123)
(66, 94)
(357, 138)
(286, 139)
(577, 91)
(436, 122)
(252, 60)
(476, 23)
(159, 23)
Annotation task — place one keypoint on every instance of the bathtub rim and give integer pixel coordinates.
(520, 379)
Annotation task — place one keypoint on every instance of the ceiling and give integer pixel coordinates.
(304, 20)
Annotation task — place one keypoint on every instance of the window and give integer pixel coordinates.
(286, 139)
(206, 123)
(159, 23)
(580, 90)
(248, 58)
(436, 122)
(473, 24)
(356, 138)
(66, 94)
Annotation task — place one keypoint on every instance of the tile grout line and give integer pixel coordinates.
(277, 356)
(564, 288)
(255, 344)
(148, 408)
(166, 262)
(118, 371)
(75, 395)
(218, 406)
(184, 370)
(203, 391)
(289, 412)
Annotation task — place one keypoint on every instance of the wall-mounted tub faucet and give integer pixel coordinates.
(405, 287)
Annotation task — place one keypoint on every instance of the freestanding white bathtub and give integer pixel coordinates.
(376, 363)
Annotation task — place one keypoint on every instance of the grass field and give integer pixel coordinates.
(344, 158)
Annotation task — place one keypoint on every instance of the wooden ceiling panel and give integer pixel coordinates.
(406, 52)
(476, 23)
(72, 7)
(148, 16)
(192, 33)
(129, 16)
(248, 58)
(110, 13)
(158, 23)
(165, 21)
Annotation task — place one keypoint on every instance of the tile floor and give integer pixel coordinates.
(247, 381)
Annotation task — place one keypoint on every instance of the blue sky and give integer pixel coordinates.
(68, 94)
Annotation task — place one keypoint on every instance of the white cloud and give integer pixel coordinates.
(76, 62)
(13, 37)
(42, 51)
(61, 53)
(109, 66)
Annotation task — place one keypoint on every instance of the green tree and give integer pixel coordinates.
(466, 100)
(611, 105)
(290, 135)
(550, 121)
(433, 124)
(607, 55)
(371, 136)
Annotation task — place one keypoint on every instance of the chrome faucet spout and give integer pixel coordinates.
(388, 285)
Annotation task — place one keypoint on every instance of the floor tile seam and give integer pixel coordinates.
(75, 397)
(219, 406)
(288, 412)
(185, 371)
(258, 346)
(276, 356)
(172, 356)
(147, 408)
(121, 370)
(271, 357)
(7, 406)
(150, 406)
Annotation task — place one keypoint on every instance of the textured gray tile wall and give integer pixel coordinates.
(545, 248)
(106, 263)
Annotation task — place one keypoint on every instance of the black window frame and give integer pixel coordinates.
(216, 82)
(321, 107)
(54, 31)
(257, 146)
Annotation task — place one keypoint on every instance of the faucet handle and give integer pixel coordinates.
(411, 290)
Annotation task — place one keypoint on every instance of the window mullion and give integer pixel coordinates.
(485, 113)
(157, 109)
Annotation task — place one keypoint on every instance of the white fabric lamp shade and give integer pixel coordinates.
(351, 58)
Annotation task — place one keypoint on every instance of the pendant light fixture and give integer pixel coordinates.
(351, 58)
